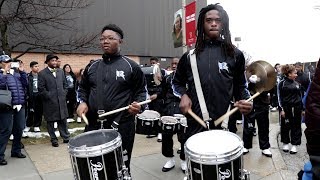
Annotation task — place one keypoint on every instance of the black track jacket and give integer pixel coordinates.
(123, 83)
(220, 76)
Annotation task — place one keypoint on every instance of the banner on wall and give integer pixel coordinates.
(177, 29)
(190, 19)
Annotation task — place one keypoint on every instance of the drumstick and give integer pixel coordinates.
(85, 118)
(123, 108)
(197, 118)
(223, 117)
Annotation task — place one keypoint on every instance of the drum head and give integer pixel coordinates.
(94, 143)
(214, 147)
(169, 120)
(149, 115)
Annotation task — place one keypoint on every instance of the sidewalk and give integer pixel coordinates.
(48, 163)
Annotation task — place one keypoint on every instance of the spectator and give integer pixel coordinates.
(13, 78)
(71, 91)
(53, 89)
(34, 100)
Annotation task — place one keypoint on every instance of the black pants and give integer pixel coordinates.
(35, 111)
(261, 114)
(291, 125)
(71, 102)
(127, 132)
(63, 129)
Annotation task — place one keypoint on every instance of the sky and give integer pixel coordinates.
(277, 31)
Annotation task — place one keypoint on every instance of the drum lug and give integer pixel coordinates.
(245, 174)
(125, 172)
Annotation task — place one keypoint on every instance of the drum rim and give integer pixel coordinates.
(214, 159)
(171, 123)
(149, 119)
(98, 150)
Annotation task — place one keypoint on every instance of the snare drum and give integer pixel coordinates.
(97, 155)
(182, 125)
(147, 123)
(214, 155)
(169, 124)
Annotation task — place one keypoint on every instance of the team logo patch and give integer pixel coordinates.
(223, 66)
(120, 74)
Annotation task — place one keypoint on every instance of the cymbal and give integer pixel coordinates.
(265, 73)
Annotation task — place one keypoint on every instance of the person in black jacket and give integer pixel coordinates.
(171, 107)
(121, 83)
(290, 95)
(221, 67)
(34, 100)
(302, 77)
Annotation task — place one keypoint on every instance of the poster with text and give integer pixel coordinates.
(190, 19)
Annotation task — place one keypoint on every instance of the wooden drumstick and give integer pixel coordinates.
(85, 119)
(223, 117)
(197, 118)
(123, 108)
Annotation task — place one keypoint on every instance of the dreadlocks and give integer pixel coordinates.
(224, 32)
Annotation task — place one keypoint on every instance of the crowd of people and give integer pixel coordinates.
(114, 81)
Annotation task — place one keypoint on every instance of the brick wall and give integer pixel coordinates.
(76, 61)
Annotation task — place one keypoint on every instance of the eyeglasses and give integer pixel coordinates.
(103, 39)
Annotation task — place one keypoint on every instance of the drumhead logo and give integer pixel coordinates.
(224, 175)
(95, 168)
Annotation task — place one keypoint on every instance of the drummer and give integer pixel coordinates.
(171, 104)
(121, 83)
(155, 93)
(221, 68)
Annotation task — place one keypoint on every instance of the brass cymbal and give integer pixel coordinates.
(266, 74)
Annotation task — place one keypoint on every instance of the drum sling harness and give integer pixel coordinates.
(196, 78)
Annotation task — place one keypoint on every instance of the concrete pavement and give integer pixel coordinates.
(48, 163)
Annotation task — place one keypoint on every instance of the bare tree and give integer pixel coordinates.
(33, 25)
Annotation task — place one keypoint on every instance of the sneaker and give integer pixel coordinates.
(36, 129)
(78, 119)
(11, 137)
(27, 129)
(183, 166)
(179, 150)
(55, 125)
(70, 120)
(293, 149)
(267, 152)
(159, 137)
(169, 165)
(24, 135)
(285, 147)
(245, 151)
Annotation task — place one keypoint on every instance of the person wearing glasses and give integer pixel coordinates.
(110, 83)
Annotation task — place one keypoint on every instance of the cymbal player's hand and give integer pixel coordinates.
(185, 103)
(134, 108)
(244, 107)
(82, 109)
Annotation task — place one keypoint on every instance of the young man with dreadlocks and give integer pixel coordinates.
(221, 69)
